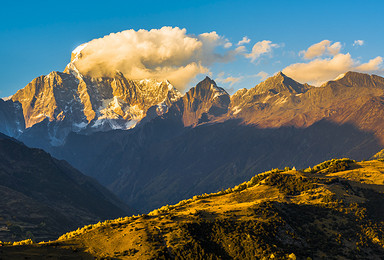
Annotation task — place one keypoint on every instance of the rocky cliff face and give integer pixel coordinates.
(202, 103)
(73, 103)
(62, 102)
(272, 98)
(11, 118)
(70, 102)
(354, 98)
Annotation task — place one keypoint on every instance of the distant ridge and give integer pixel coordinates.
(41, 197)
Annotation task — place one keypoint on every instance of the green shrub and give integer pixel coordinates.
(331, 166)
(23, 242)
(289, 184)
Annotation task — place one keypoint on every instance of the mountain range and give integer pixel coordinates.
(152, 145)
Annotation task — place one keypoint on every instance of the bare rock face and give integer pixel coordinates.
(53, 96)
(70, 102)
(11, 118)
(355, 79)
(203, 103)
(267, 103)
(353, 98)
(64, 102)
(82, 104)
(280, 83)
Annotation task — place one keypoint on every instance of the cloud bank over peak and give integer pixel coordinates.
(321, 69)
(167, 53)
(173, 54)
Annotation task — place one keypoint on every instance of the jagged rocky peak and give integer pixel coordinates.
(357, 79)
(130, 101)
(73, 102)
(206, 90)
(203, 103)
(119, 98)
(47, 97)
(280, 83)
(274, 91)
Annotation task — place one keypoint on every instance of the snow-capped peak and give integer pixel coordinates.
(217, 91)
(6, 98)
(78, 49)
(76, 54)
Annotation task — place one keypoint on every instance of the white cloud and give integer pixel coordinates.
(227, 45)
(230, 79)
(245, 40)
(321, 48)
(260, 48)
(320, 70)
(166, 53)
(371, 66)
(241, 49)
(263, 75)
(358, 43)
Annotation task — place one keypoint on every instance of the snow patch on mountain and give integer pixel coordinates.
(6, 98)
(340, 76)
(79, 48)
(77, 127)
(236, 110)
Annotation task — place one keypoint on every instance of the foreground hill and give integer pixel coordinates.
(41, 197)
(331, 211)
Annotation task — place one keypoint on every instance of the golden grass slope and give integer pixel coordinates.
(334, 210)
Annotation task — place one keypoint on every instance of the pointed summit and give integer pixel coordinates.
(207, 78)
(203, 103)
(280, 83)
(280, 74)
(206, 82)
(206, 90)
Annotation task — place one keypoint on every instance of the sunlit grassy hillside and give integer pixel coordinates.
(334, 210)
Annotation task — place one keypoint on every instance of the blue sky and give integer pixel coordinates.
(37, 38)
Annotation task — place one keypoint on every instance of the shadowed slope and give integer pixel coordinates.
(161, 163)
(41, 197)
